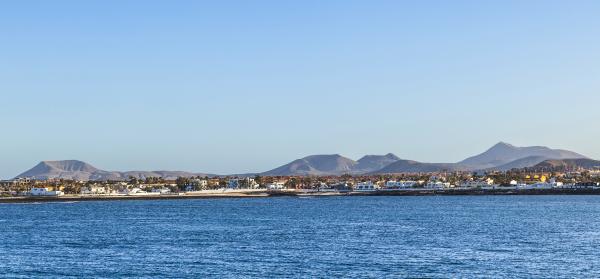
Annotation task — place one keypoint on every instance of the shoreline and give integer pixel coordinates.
(271, 194)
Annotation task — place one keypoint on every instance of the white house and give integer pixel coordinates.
(136, 191)
(45, 192)
(472, 183)
(202, 183)
(276, 186)
(437, 185)
(392, 184)
(251, 183)
(544, 185)
(93, 190)
(365, 186)
(161, 190)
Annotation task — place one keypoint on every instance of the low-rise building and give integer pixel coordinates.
(477, 183)
(365, 186)
(94, 190)
(161, 190)
(44, 192)
(276, 186)
(392, 184)
(437, 185)
(200, 183)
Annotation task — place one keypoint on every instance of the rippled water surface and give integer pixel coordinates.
(480, 236)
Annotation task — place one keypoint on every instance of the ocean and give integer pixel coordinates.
(290, 237)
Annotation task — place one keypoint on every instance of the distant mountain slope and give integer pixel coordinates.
(69, 169)
(78, 170)
(504, 153)
(521, 163)
(315, 165)
(370, 163)
(568, 164)
(408, 166)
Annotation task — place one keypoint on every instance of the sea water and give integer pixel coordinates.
(376, 237)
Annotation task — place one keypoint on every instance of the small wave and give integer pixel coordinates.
(45, 202)
(27, 203)
(67, 202)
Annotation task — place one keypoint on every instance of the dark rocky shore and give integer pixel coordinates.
(266, 194)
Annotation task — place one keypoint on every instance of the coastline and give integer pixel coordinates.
(296, 193)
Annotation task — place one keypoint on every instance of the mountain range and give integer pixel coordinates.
(567, 164)
(502, 156)
(78, 170)
(334, 164)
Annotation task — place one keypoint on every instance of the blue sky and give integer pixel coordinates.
(244, 86)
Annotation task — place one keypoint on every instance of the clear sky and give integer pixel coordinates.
(245, 86)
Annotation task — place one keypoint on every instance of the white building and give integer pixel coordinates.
(251, 183)
(45, 192)
(365, 186)
(478, 183)
(541, 185)
(136, 191)
(322, 186)
(202, 183)
(276, 186)
(161, 190)
(392, 184)
(437, 185)
(93, 190)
